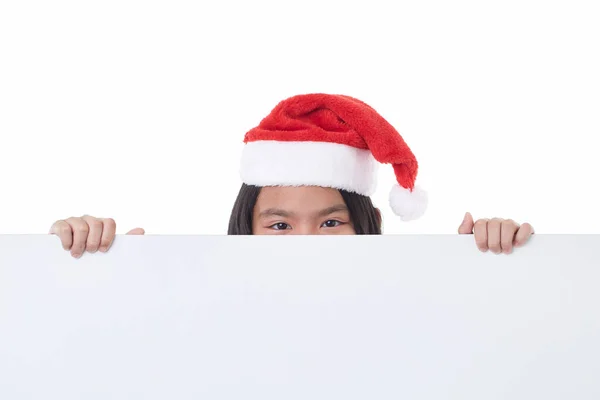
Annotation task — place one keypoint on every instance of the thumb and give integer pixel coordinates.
(466, 227)
(136, 231)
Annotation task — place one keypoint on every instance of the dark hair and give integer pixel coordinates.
(364, 216)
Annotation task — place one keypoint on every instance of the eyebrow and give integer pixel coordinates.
(275, 212)
(286, 214)
(332, 209)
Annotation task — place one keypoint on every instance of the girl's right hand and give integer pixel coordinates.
(87, 234)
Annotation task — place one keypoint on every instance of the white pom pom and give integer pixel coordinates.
(406, 204)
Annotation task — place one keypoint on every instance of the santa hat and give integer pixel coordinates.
(331, 141)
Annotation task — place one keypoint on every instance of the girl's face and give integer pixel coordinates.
(304, 210)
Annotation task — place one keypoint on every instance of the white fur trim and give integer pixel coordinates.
(406, 204)
(275, 163)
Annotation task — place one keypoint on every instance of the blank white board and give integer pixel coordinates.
(217, 317)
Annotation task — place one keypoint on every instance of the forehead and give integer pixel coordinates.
(298, 199)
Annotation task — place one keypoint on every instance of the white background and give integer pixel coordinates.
(136, 110)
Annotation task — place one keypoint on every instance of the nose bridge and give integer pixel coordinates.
(305, 227)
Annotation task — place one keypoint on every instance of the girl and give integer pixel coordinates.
(308, 169)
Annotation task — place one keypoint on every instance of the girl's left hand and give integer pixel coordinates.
(497, 234)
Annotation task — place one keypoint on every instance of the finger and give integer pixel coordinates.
(95, 233)
(494, 229)
(523, 234)
(136, 231)
(108, 234)
(63, 230)
(507, 235)
(466, 227)
(80, 233)
(481, 236)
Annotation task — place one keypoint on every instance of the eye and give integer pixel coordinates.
(332, 223)
(280, 226)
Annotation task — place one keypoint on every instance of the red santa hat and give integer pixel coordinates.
(331, 141)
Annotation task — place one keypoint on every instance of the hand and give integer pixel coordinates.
(498, 235)
(87, 233)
